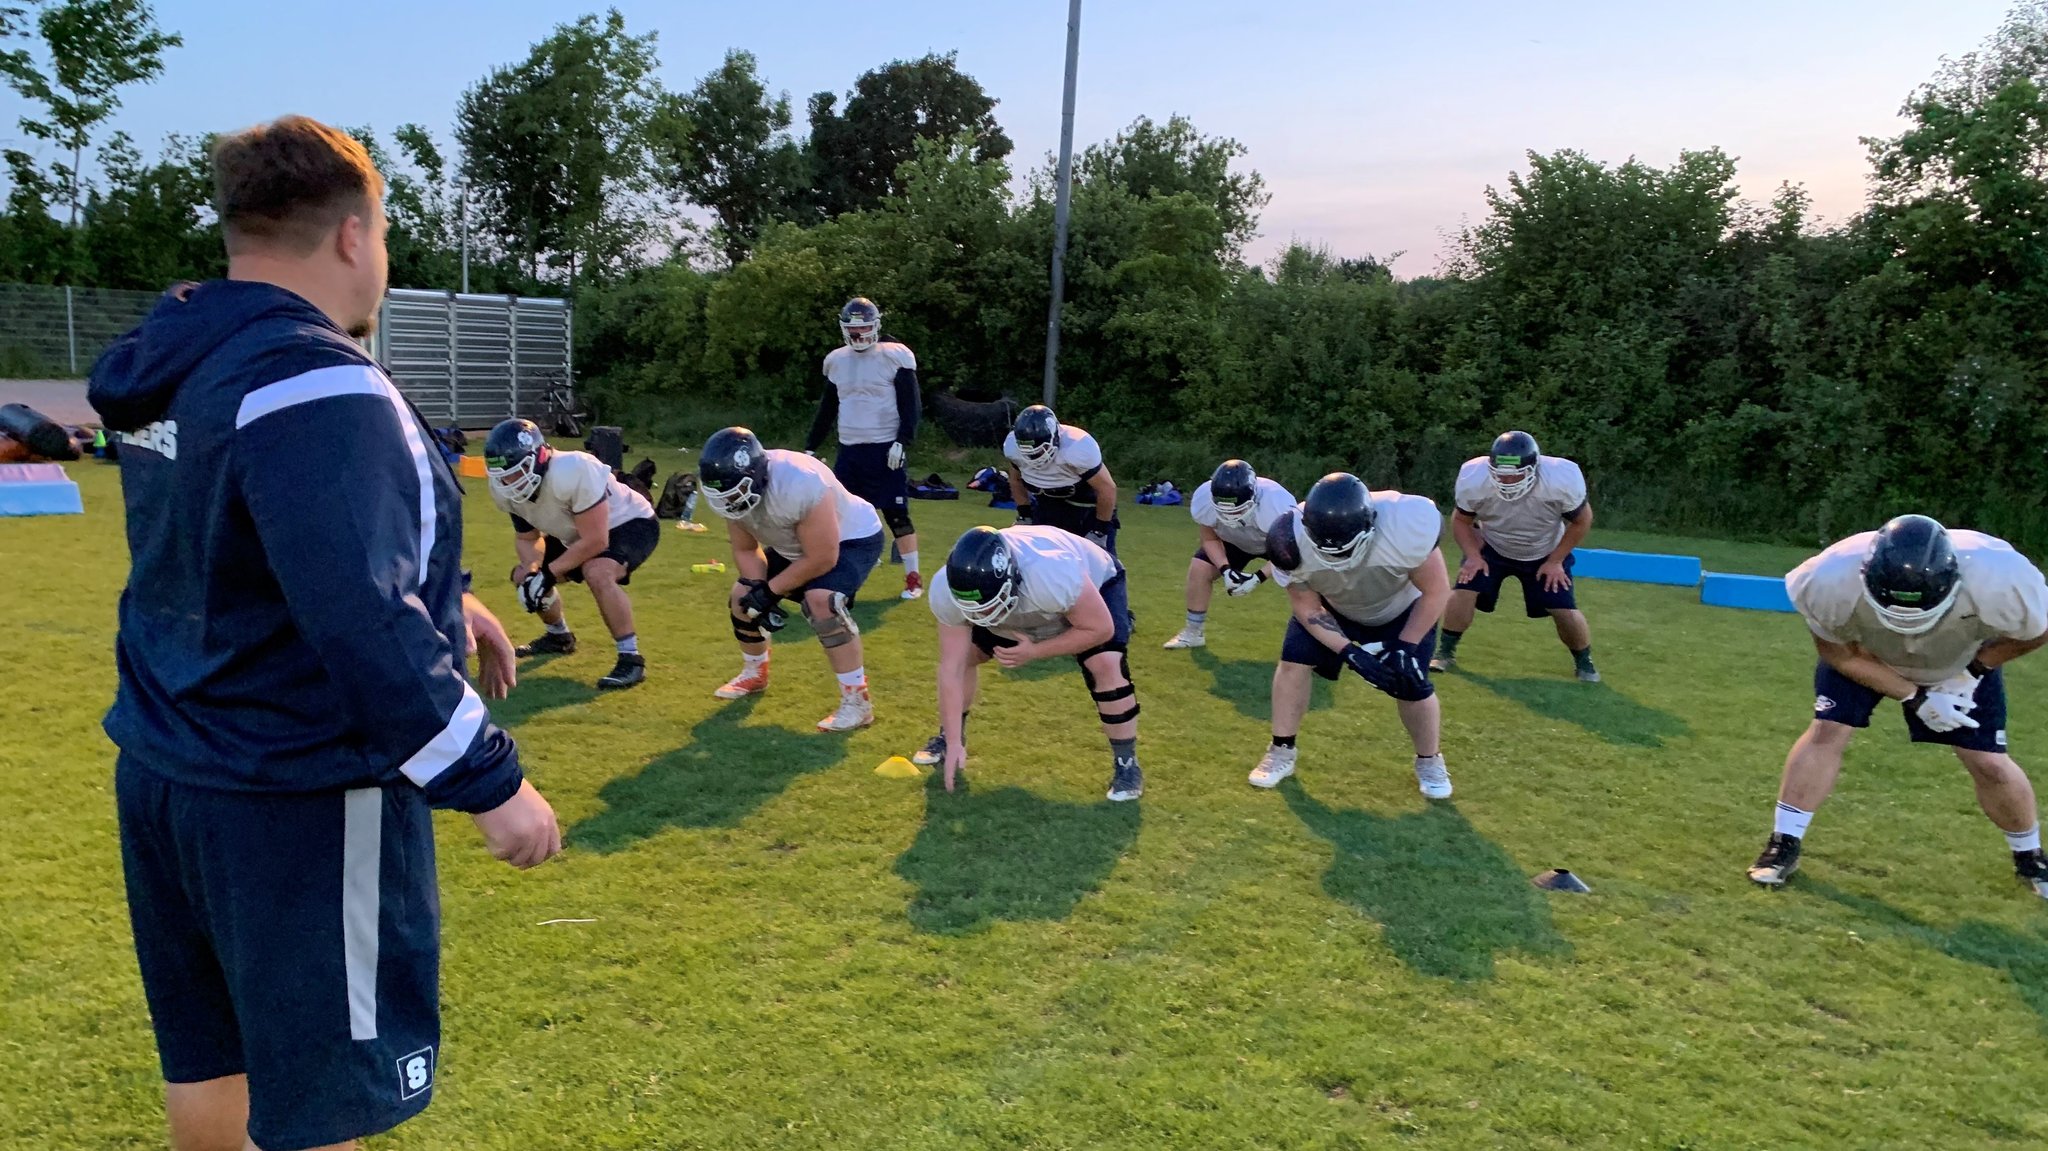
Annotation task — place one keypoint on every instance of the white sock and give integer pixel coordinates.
(848, 680)
(629, 645)
(754, 662)
(1791, 821)
(910, 561)
(560, 627)
(2028, 840)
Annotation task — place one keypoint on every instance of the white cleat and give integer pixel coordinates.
(1185, 638)
(1431, 776)
(1277, 764)
(855, 711)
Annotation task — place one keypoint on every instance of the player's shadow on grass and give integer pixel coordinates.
(2022, 957)
(1448, 899)
(1601, 710)
(721, 775)
(1005, 853)
(538, 693)
(1247, 684)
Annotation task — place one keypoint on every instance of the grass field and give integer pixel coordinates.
(791, 952)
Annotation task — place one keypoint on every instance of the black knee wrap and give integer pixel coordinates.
(1127, 691)
(747, 631)
(898, 520)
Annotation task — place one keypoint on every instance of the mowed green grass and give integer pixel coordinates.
(788, 951)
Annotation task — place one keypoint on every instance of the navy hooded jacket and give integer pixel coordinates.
(293, 615)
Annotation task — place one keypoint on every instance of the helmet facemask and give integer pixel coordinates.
(516, 481)
(1512, 477)
(1906, 617)
(735, 501)
(1348, 555)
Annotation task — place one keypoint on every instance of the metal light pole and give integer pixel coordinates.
(462, 213)
(1061, 197)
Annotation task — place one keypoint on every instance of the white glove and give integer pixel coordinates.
(1962, 683)
(895, 456)
(1241, 583)
(1941, 711)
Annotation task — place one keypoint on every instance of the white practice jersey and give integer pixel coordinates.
(866, 382)
(1271, 502)
(1379, 588)
(796, 484)
(574, 482)
(1065, 477)
(2002, 597)
(1052, 567)
(1527, 528)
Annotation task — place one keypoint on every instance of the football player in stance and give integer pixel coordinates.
(571, 520)
(1926, 616)
(1232, 514)
(796, 533)
(1030, 593)
(871, 392)
(1520, 513)
(1057, 477)
(1366, 581)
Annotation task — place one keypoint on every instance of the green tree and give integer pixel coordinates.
(1149, 158)
(855, 156)
(152, 224)
(95, 48)
(729, 151)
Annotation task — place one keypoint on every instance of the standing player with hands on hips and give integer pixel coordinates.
(571, 520)
(871, 393)
(291, 697)
(1521, 514)
(1929, 617)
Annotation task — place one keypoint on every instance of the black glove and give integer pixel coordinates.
(1369, 667)
(535, 588)
(1407, 670)
(1024, 514)
(762, 605)
(1097, 530)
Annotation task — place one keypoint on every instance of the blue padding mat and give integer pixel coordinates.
(1638, 567)
(1757, 593)
(38, 490)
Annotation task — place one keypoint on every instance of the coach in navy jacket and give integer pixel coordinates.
(292, 652)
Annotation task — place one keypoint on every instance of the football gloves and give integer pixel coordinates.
(762, 606)
(1941, 711)
(1242, 583)
(536, 589)
(895, 456)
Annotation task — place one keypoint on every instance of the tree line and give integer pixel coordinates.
(1719, 365)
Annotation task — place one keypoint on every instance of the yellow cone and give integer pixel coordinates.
(897, 767)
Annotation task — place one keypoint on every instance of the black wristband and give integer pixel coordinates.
(1914, 701)
(1978, 669)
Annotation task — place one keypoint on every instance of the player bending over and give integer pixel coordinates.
(1058, 479)
(1232, 514)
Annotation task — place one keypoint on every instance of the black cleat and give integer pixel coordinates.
(1779, 860)
(2032, 868)
(630, 669)
(549, 643)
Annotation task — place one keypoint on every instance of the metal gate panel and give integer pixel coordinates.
(473, 360)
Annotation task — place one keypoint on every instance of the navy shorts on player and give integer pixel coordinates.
(1116, 596)
(1235, 556)
(1839, 699)
(1537, 600)
(856, 559)
(629, 545)
(864, 470)
(294, 938)
(1301, 647)
(1052, 511)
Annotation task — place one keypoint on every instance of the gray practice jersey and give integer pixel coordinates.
(1527, 528)
(796, 483)
(574, 482)
(1378, 588)
(866, 382)
(1066, 476)
(1271, 502)
(2002, 597)
(1052, 567)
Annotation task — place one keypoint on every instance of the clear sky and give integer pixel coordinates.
(1377, 125)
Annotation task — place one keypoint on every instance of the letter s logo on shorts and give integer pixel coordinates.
(1822, 703)
(415, 1073)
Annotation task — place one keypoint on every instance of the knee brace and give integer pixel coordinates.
(836, 627)
(747, 631)
(1103, 698)
(898, 520)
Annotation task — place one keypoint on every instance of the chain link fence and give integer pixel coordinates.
(51, 332)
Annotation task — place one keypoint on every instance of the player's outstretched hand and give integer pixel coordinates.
(1941, 711)
(522, 830)
(1471, 568)
(1551, 576)
(956, 758)
(497, 668)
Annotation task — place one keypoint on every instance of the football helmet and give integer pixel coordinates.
(1339, 519)
(515, 458)
(860, 324)
(1038, 434)
(981, 575)
(1911, 576)
(1234, 488)
(734, 471)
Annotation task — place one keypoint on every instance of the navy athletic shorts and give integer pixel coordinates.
(629, 545)
(1839, 699)
(1116, 596)
(856, 559)
(1052, 511)
(1301, 647)
(294, 938)
(1233, 555)
(1537, 600)
(864, 470)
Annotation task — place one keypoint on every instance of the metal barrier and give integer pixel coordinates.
(49, 331)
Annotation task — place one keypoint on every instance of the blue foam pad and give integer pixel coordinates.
(1757, 593)
(1637, 567)
(38, 490)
